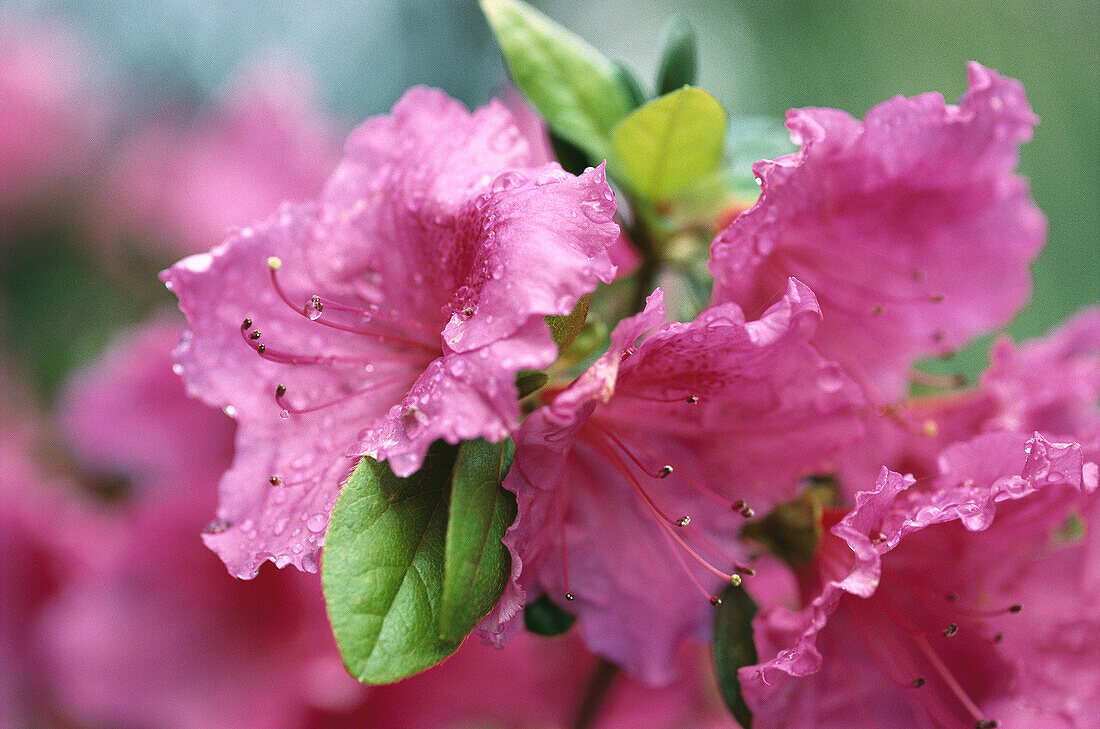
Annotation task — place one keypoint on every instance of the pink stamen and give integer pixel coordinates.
(280, 393)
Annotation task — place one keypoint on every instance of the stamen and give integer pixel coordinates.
(951, 630)
(314, 315)
(715, 600)
(918, 682)
(742, 508)
(987, 724)
(570, 596)
(949, 678)
(275, 481)
(683, 521)
(287, 410)
(283, 357)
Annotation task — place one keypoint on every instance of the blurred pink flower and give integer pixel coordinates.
(51, 120)
(737, 410)
(395, 311)
(539, 683)
(47, 538)
(916, 611)
(156, 634)
(910, 226)
(182, 184)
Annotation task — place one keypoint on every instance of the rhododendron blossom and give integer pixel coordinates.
(633, 482)
(913, 599)
(910, 226)
(395, 311)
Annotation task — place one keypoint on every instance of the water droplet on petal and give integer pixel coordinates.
(508, 181)
(217, 526)
(284, 414)
(230, 411)
(177, 368)
(317, 523)
(314, 308)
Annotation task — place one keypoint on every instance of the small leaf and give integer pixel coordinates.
(670, 143)
(543, 617)
(734, 648)
(382, 571)
(528, 381)
(476, 566)
(565, 329)
(573, 86)
(633, 88)
(679, 64)
(792, 530)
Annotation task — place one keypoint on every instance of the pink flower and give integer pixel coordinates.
(910, 226)
(915, 602)
(1049, 385)
(538, 683)
(156, 635)
(630, 482)
(395, 311)
(47, 538)
(182, 184)
(51, 121)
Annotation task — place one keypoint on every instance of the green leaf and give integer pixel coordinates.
(572, 158)
(679, 64)
(565, 329)
(528, 381)
(670, 143)
(734, 648)
(382, 570)
(633, 88)
(573, 86)
(476, 566)
(543, 617)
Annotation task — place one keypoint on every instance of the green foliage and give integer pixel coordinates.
(411, 564)
(634, 91)
(476, 566)
(565, 329)
(748, 140)
(543, 617)
(670, 143)
(574, 87)
(679, 65)
(734, 648)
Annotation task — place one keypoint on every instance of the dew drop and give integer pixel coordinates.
(314, 308)
(508, 181)
(177, 368)
(317, 523)
(230, 411)
(217, 526)
(284, 414)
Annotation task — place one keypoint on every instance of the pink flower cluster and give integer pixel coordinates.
(953, 581)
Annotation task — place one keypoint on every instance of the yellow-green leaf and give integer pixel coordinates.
(670, 143)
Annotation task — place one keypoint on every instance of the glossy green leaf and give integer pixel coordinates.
(679, 65)
(565, 329)
(382, 570)
(573, 86)
(572, 158)
(670, 143)
(734, 648)
(476, 566)
(543, 617)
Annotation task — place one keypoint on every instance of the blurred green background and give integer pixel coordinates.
(758, 58)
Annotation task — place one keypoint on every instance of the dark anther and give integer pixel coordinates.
(877, 310)
(255, 334)
(246, 325)
(950, 630)
(692, 399)
(569, 596)
(714, 600)
(951, 597)
(274, 480)
(917, 683)
(261, 348)
(998, 637)
(280, 390)
(683, 521)
(666, 471)
(1015, 608)
(987, 724)
(468, 311)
